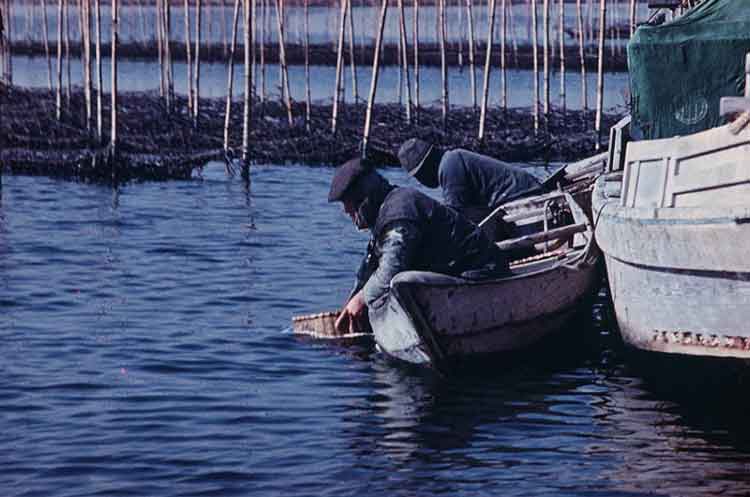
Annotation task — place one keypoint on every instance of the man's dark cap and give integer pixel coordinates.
(412, 154)
(345, 176)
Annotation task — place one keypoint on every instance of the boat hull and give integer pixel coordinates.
(450, 321)
(679, 277)
(681, 311)
(436, 319)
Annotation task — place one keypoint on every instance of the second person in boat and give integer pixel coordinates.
(471, 183)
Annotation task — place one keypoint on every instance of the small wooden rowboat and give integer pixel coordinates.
(438, 320)
(435, 318)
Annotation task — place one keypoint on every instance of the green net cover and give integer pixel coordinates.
(680, 70)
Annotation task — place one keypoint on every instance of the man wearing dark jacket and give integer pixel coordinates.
(410, 231)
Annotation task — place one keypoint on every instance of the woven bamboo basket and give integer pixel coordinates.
(321, 325)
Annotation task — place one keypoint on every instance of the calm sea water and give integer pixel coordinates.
(138, 75)
(146, 351)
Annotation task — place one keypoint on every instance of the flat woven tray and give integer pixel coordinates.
(320, 325)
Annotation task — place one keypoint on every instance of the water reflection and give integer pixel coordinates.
(138, 75)
(145, 337)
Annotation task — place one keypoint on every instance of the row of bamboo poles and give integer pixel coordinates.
(253, 52)
(136, 24)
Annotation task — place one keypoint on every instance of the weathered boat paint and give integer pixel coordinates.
(674, 227)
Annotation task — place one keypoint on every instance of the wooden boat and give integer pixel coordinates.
(673, 220)
(437, 319)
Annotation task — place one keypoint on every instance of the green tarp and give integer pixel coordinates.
(680, 70)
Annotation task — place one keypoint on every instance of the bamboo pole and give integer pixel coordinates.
(404, 57)
(374, 78)
(308, 100)
(264, 6)
(282, 60)
(3, 43)
(600, 73)
(159, 20)
(247, 111)
(503, 71)
(197, 74)
(113, 119)
(535, 56)
(66, 36)
(562, 55)
(487, 69)
(352, 55)
(98, 22)
(254, 35)
(472, 47)
(189, 59)
(582, 55)
(58, 92)
(89, 59)
(45, 32)
(416, 59)
(546, 39)
(230, 74)
(168, 53)
(339, 64)
(86, 35)
(9, 44)
(443, 63)
(400, 66)
(281, 12)
(79, 7)
(632, 17)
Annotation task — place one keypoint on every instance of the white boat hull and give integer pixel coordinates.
(675, 232)
(681, 312)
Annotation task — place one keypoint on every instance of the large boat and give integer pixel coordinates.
(672, 215)
(440, 320)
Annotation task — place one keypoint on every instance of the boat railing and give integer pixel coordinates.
(549, 232)
(527, 241)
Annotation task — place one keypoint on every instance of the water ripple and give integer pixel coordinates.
(147, 351)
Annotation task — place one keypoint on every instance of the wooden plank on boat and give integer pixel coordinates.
(512, 218)
(322, 325)
(584, 167)
(530, 240)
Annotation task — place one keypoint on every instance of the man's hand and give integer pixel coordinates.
(353, 315)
